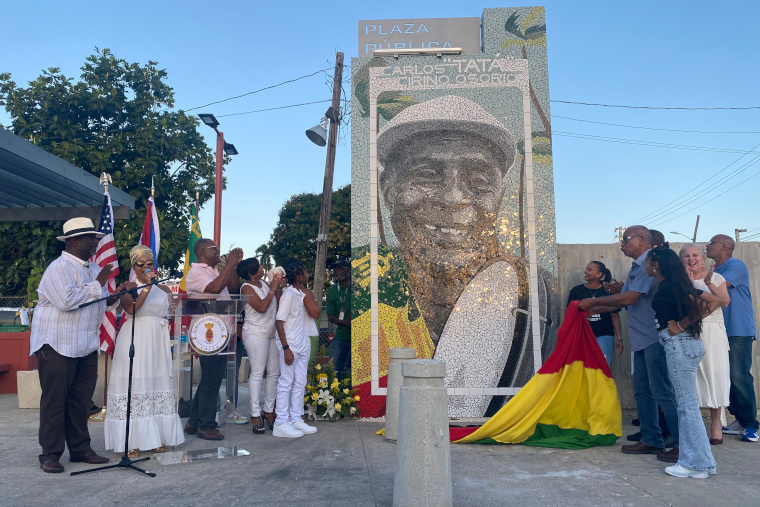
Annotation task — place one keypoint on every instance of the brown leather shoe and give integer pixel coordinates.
(716, 441)
(51, 466)
(641, 448)
(90, 458)
(190, 430)
(670, 456)
(212, 434)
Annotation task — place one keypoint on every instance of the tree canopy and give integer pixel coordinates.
(295, 235)
(117, 118)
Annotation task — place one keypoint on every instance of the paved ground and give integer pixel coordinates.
(347, 464)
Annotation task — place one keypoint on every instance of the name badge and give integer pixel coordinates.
(340, 316)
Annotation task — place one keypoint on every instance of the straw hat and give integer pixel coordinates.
(79, 227)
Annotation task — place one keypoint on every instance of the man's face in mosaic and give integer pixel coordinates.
(444, 190)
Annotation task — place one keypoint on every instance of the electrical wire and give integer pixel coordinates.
(647, 143)
(656, 107)
(259, 90)
(273, 108)
(665, 209)
(653, 128)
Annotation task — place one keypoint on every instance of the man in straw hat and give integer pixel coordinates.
(65, 340)
(444, 164)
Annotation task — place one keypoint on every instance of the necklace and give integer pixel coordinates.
(593, 294)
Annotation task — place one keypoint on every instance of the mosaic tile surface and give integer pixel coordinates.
(453, 214)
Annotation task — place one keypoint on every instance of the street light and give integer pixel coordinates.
(682, 234)
(221, 149)
(737, 231)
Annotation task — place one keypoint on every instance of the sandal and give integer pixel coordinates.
(133, 453)
(258, 425)
(160, 449)
(270, 417)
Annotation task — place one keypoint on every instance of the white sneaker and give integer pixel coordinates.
(302, 426)
(679, 471)
(239, 419)
(735, 428)
(286, 430)
(217, 417)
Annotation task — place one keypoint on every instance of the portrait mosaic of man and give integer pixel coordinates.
(443, 166)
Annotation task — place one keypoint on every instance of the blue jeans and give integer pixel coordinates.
(742, 402)
(340, 353)
(684, 352)
(607, 344)
(652, 387)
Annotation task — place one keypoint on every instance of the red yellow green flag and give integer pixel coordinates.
(195, 235)
(571, 403)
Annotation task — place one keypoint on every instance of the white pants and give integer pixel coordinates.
(262, 354)
(291, 387)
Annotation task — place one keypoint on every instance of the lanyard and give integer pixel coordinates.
(342, 298)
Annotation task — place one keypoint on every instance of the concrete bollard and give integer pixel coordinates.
(423, 458)
(397, 357)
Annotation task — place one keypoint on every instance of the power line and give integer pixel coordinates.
(712, 200)
(257, 91)
(655, 107)
(667, 207)
(273, 108)
(653, 128)
(593, 137)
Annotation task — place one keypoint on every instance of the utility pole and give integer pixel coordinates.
(619, 231)
(694, 239)
(737, 231)
(327, 190)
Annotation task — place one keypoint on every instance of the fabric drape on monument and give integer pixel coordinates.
(571, 403)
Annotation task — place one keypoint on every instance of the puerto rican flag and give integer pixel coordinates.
(106, 254)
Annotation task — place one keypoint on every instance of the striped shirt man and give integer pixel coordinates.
(58, 321)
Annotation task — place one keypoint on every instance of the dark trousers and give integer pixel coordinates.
(340, 353)
(68, 384)
(203, 410)
(741, 397)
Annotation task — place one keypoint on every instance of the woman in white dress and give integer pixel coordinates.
(259, 338)
(154, 422)
(713, 375)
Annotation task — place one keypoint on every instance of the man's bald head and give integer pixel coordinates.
(636, 241)
(727, 241)
(201, 245)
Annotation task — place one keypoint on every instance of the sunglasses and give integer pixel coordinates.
(629, 238)
(715, 242)
(213, 247)
(143, 264)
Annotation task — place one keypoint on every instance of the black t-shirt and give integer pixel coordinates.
(665, 303)
(601, 323)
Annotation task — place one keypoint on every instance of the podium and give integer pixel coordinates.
(206, 326)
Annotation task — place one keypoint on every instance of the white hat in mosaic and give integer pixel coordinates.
(78, 227)
(448, 112)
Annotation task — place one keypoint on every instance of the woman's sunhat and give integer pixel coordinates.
(79, 227)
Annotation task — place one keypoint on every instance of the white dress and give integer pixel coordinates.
(154, 419)
(713, 374)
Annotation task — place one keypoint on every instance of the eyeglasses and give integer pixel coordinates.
(143, 264)
(629, 238)
(711, 242)
(212, 247)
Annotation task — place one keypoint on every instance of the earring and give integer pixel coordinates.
(703, 268)
(654, 271)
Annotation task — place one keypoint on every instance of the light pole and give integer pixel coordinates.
(682, 234)
(317, 137)
(737, 231)
(221, 148)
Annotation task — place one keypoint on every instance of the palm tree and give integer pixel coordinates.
(264, 253)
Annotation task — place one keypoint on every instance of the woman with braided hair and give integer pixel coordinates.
(679, 309)
(296, 306)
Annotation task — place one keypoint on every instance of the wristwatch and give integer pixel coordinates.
(285, 347)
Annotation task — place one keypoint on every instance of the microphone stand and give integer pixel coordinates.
(126, 461)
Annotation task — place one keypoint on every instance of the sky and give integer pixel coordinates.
(677, 54)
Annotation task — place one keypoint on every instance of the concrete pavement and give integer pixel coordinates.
(346, 463)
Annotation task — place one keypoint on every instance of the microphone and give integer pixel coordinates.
(148, 271)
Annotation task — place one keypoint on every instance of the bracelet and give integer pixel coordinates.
(678, 323)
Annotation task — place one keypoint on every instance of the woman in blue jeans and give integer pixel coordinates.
(679, 309)
(606, 326)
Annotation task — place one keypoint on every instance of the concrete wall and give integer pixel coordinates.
(572, 260)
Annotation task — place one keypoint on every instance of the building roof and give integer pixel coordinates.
(37, 185)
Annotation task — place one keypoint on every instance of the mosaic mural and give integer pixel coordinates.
(453, 243)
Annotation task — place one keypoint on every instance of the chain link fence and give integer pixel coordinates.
(10, 306)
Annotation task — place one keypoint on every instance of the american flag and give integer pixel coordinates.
(106, 254)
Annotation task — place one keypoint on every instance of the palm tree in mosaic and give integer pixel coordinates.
(527, 33)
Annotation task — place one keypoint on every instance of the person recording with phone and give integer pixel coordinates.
(154, 422)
